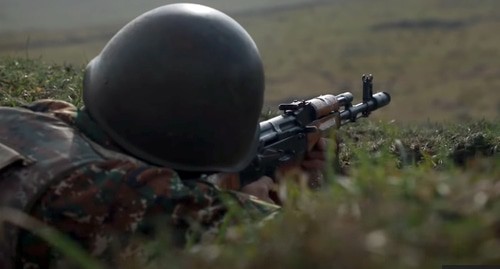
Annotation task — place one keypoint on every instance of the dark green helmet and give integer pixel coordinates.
(180, 86)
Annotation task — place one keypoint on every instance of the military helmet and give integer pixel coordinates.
(179, 86)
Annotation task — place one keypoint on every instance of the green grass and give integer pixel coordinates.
(23, 81)
(413, 195)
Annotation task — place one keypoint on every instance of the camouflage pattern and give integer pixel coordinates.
(62, 169)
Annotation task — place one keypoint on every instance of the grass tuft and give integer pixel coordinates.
(25, 80)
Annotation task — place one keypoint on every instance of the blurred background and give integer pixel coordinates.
(439, 59)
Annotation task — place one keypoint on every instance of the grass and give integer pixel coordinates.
(23, 81)
(65, 245)
(416, 195)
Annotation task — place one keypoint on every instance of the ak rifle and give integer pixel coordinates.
(289, 136)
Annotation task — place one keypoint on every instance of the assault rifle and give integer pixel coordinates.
(289, 136)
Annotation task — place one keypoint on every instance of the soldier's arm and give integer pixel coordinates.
(113, 202)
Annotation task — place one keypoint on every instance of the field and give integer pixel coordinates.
(438, 58)
(419, 181)
(407, 196)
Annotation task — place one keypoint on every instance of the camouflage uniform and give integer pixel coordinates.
(60, 167)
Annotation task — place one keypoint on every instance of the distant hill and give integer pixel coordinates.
(440, 59)
(29, 15)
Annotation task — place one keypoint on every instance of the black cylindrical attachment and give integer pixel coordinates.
(378, 100)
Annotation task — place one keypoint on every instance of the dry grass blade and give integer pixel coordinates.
(60, 242)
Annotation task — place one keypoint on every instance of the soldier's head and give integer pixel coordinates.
(179, 86)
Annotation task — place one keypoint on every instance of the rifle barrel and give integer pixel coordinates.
(378, 100)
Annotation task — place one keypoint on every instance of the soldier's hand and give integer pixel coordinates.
(316, 158)
(264, 188)
(310, 168)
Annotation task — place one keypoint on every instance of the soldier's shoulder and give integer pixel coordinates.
(50, 106)
(59, 109)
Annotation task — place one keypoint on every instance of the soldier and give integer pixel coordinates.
(173, 97)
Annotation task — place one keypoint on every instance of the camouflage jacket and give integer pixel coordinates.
(58, 166)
